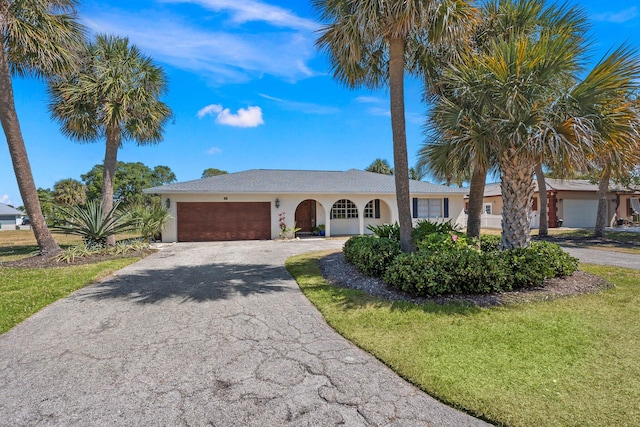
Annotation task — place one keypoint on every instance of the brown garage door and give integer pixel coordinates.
(206, 222)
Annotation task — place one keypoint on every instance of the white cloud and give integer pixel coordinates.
(214, 150)
(222, 56)
(379, 111)
(209, 110)
(245, 117)
(4, 198)
(617, 17)
(370, 100)
(255, 11)
(249, 117)
(304, 107)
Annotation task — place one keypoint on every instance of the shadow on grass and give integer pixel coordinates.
(305, 270)
(200, 283)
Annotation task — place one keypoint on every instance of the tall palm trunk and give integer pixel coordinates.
(543, 228)
(476, 198)
(400, 161)
(20, 160)
(603, 189)
(109, 172)
(517, 191)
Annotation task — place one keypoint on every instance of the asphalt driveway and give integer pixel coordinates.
(201, 334)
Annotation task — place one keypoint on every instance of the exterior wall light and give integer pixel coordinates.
(167, 203)
(277, 203)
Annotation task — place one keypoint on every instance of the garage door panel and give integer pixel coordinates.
(579, 213)
(215, 221)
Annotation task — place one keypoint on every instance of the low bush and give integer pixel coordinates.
(490, 242)
(463, 269)
(424, 228)
(387, 231)
(371, 255)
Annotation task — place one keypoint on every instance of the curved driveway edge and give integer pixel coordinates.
(201, 334)
(600, 257)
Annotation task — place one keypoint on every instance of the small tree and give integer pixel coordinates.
(209, 172)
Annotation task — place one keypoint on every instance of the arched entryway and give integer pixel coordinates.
(376, 212)
(344, 218)
(307, 216)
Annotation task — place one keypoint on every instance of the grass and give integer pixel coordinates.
(25, 291)
(16, 244)
(570, 362)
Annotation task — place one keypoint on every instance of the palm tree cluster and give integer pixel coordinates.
(105, 89)
(508, 93)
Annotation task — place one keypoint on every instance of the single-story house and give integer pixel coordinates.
(574, 201)
(248, 205)
(9, 217)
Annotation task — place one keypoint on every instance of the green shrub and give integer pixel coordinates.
(447, 271)
(436, 241)
(93, 223)
(423, 228)
(371, 255)
(490, 242)
(455, 269)
(387, 231)
(151, 220)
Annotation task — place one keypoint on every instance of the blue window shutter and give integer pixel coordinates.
(446, 207)
(377, 208)
(415, 207)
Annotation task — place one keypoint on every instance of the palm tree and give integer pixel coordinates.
(70, 191)
(114, 95)
(368, 41)
(38, 38)
(380, 166)
(514, 82)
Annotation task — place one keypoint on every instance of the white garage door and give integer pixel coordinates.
(579, 213)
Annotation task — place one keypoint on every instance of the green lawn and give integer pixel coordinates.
(571, 362)
(25, 291)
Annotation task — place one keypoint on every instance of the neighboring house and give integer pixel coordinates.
(247, 205)
(9, 217)
(574, 201)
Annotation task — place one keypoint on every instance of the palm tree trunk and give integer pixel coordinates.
(603, 189)
(476, 199)
(400, 161)
(517, 191)
(20, 160)
(543, 228)
(109, 172)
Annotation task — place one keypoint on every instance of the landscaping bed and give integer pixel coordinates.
(339, 272)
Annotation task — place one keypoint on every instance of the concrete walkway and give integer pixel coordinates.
(201, 334)
(596, 256)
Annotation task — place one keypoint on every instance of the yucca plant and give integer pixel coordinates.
(94, 223)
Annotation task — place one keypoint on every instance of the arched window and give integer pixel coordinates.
(344, 209)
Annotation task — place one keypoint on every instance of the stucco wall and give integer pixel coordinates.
(289, 202)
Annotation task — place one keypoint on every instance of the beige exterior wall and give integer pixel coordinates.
(289, 203)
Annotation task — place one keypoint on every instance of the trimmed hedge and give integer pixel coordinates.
(447, 265)
(371, 255)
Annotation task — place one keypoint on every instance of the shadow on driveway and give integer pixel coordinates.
(207, 282)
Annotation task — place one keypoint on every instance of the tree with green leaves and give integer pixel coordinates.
(69, 191)
(517, 91)
(380, 166)
(209, 172)
(39, 38)
(130, 179)
(368, 43)
(114, 94)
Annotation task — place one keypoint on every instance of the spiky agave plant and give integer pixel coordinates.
(94, 223)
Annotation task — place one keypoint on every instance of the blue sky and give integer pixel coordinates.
(248, 90)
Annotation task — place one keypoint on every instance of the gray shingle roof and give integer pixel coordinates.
(7, 210)
(583, 185)
(352, 181)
